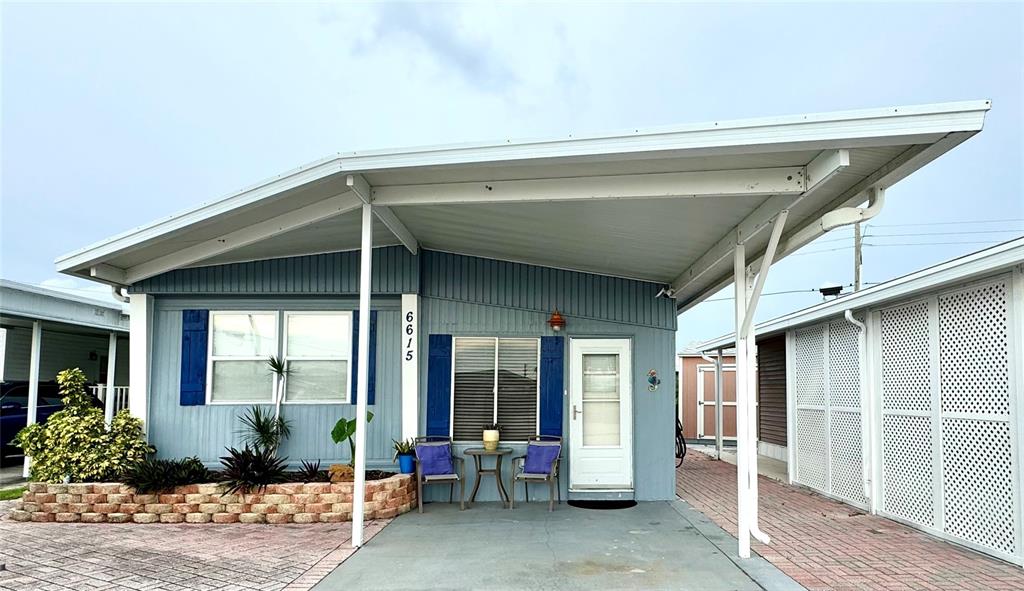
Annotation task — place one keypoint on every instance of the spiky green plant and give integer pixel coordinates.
(263, 431)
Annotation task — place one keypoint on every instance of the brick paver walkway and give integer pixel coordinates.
(166, 557)
(825, 544)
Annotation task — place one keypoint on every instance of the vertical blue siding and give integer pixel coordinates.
(542, 289)
(395, 271)
(653, 412)
(179, 431)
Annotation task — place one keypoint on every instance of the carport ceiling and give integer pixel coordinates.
(664, 205)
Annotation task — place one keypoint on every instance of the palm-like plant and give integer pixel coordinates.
(279, 368)
(263, 431)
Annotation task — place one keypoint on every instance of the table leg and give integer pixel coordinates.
(501, 483)
(476, 486)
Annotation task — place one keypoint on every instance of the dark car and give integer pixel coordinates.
(14, 412)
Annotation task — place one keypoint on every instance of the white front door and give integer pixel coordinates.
(600, 415)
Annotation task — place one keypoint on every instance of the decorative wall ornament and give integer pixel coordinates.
(653, 381)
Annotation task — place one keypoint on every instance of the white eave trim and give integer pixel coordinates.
(965, 268)
(851, 128)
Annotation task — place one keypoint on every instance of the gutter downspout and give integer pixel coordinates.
(118, 295)
(865, 403)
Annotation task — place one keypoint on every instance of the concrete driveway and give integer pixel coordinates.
(662, 545)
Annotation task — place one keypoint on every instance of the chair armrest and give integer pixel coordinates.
(460, 468)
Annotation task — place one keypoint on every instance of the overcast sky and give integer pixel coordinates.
(115, 115)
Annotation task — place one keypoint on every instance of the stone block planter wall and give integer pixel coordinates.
(319, 502)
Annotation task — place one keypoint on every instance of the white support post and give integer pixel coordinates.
(109, 398)
(139, 347)
(719, 392)
(365, 260)
(742, 433)
(410, 365)
(33, 383)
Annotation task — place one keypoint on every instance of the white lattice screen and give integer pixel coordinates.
(829, 449)
(949, 449)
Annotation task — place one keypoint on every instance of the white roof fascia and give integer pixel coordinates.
(848, 127)
(957, 270)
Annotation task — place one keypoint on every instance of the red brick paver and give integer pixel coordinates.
(169, 557)
(825, 544)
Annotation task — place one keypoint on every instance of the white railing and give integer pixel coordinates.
(120, 396)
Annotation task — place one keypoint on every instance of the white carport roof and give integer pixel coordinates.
(664, 205)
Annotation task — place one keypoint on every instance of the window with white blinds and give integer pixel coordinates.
(495, 381)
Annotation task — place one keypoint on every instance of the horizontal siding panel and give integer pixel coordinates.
(395, 271)
(771, 390)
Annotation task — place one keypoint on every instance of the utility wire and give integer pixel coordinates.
(815, 290)
(1005, 220)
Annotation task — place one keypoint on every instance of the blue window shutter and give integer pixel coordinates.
(195, 326)
(439, 384)
(371, 395)
(552, 362)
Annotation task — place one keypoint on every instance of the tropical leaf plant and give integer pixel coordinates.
(249, 469)
(345, 430)
(262, 431)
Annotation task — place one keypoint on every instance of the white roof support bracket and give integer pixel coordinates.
(358, 185)
(397, 228)
(705, 183)
(817, 173)
(762, 275)
(297, 218)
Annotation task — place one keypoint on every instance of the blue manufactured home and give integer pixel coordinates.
(474, 315)
(423, 284)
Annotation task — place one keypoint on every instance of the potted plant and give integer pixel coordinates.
(491, 436)
(405, 453)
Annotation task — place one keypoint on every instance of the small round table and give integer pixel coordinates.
(477, 453)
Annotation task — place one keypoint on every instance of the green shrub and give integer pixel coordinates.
(153, 476)
(75, 442)
(252, 469)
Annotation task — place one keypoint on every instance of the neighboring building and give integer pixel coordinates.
(697, 408)
(457, 258)
(44, 331)
(912, 409)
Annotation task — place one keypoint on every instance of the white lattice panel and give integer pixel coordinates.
(843, 364)
(847, 478)
(812, 448)
(977, 476)
(973, 350)
(810, 371)
(908, 481)
(906, 362)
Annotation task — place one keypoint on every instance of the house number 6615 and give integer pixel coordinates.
(410, 332)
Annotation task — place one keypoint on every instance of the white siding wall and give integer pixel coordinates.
(946, 371)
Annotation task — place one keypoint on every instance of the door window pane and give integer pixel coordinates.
(601, 401)
(242, 381)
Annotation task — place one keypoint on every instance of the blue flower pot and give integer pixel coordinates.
(406, 464)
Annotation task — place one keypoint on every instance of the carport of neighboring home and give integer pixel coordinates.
(418, 283)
